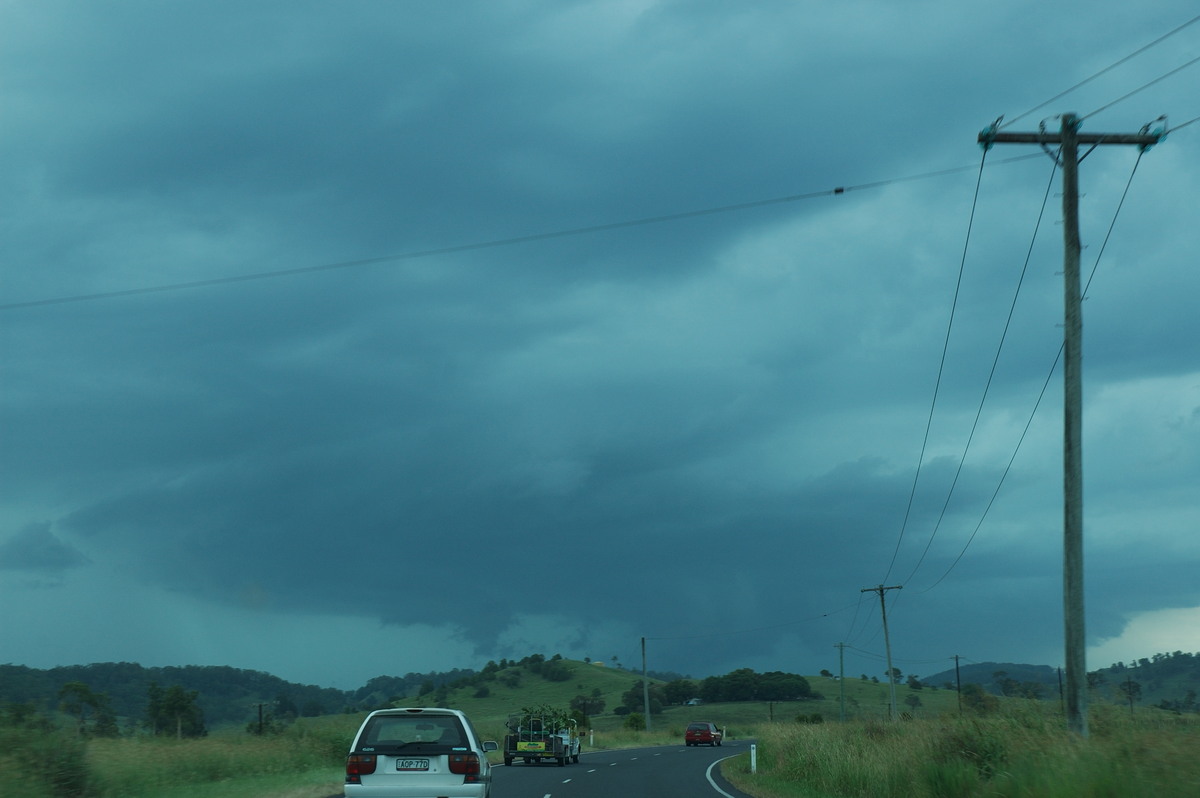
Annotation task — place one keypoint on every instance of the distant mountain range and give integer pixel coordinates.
(1170, 681)
(227, 695)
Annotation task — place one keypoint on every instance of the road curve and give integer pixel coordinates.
(671, 771)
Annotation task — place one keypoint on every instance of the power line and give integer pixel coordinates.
(865, 653)
(1113, 223)
(1003, 476)
(878, 629)
(907, 661)
(1141, 88)
(991, 374)
(854, 621)
(480, 245)
(941, 369)
(1108, 68)
(1045, 384)
(1183, 125)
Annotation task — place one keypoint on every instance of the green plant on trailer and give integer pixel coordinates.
(548, 719)
(541, 732)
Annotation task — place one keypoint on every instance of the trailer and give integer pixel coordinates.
(540, 734)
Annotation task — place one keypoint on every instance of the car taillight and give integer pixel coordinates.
(465, 765)
(359, 765)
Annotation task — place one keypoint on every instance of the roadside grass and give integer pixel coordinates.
(304, 762)
(1021, 751)
(312, 784)
(40, 760)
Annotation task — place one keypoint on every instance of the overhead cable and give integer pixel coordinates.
(1141, 88)
(1045, 385)
(941, 370)
(991, 374)
(1108, 68)
(476, 246)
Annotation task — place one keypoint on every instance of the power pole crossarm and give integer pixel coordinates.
(1141, 139)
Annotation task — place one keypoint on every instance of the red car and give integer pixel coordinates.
(702, 733)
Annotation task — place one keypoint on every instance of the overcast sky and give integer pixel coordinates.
(327, 350)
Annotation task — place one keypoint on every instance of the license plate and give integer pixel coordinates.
(412, 764)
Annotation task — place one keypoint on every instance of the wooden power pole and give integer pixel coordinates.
(1069, 140)
(841, 647)
(958, 683)
(645, 686)
(887, 644)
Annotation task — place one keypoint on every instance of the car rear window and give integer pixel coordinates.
(386, 731)
(697, 727)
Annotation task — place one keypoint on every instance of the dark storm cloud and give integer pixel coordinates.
(735, 400)
(37, 549)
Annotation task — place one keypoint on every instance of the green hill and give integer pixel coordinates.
(227, 695)
(488, 698)
(1167, 681)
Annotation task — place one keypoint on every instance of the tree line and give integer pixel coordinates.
(743, 684)
(171, 711)
(224, 694)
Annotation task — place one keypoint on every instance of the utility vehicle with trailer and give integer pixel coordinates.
(540, 734)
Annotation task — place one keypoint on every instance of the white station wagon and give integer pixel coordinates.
(418, 751)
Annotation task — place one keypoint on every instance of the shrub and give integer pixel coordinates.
(34, 759)
(983, 749)
(976, 698)
(555, 671)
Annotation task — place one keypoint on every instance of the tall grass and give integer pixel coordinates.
(305, 761)
(1021, 753)
(41, 760)
(229, 764)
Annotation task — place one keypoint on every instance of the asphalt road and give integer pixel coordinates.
(661, 772)
(667, 771)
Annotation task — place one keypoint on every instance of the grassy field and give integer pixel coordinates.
(1019, 750)
(304, 762)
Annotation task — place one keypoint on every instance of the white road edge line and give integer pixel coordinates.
(708, 775)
